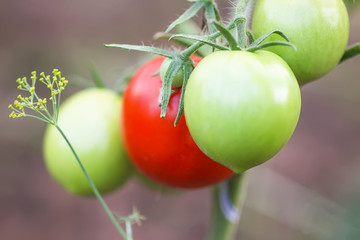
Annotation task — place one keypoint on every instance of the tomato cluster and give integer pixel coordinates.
(240, 107)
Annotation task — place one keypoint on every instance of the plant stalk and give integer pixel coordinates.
(93, 187)
(240, 22)
(351, 52)
(228, 200)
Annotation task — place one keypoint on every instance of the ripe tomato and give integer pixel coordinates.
(318, 28)
(90, 121)
(159, 150)
(241, 108)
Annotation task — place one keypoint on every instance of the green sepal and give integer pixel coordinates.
(147, 49)
(265, 36)
(271, 44)
(250, 36)
(227, 35)
(204, 39)
(187, 69)
(257, 44)
(210, 16)
(202, 52)
(172, 70)
(188, 14)
(217, 13)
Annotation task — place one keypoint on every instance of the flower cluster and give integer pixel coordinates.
(55, 83)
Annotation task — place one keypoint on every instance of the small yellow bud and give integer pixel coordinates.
(12, 115)
(32, 90)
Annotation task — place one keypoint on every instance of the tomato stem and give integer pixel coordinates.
(93, 187)
(240, 22)
(351, 52)
(229, 198)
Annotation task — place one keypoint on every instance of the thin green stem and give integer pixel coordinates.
(37, 98)
(229, 199)
(240, 22)
(241, 32)
(93, 187)
(351, 52)
(57, 110)
(38, 118)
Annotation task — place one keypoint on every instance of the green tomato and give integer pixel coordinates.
(241, 108)
(318, 28)
(178, 78)
(90, 120)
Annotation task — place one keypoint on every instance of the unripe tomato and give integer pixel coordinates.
(178, 78)
(241, 108)
(159, 150)
(318, 28)
(90, 120)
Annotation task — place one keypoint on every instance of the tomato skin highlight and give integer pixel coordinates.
(241, 108)
(89, 119)
(159, 150)
(318, 28)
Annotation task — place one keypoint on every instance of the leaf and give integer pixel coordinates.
(148, 49)
(188, 14)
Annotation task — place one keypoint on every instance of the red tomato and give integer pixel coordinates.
(159, 150)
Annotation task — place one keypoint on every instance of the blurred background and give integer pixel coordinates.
(310, 190)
